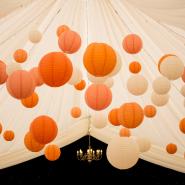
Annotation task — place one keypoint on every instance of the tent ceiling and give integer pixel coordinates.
(115, 19)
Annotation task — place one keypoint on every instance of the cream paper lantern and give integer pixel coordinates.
(10, 68)
(171, 67)
(35, 36)
(137, 85)
(161, 85)
(122, 152)
(144, 144)
(99, 119)
(76, 76)
(109, 82)
(117, 67)
(183, 90)
(96, 80)
(159, 100)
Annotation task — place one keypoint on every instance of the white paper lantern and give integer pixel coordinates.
(109, 82)
(122, 152)
(137, 85)
(99, 120)
(144, 144)
(96, 80)
(183, 90)
(76, 76)
(35, 36)
(10, 68)
(159, 100)
(171, 67)
(161, 85)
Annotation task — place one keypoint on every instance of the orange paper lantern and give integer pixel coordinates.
(124, 132)
(99, 59)
(182, 125)
(20, 56)
(55, 69)
(30, 101)
(150, 111)
(171, 148)
(8, 135)
(98, 96)
(113, 117)
(130, 115)
(52, 152)
(3, 74)
(62, 29)
(81, 85)
(1, 128)
(135, 67)
(31, 144)
(69, 42)
(44, 129)
(132, 44)
(75, 112)
(20, 84)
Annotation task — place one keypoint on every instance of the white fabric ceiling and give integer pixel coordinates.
(115, 19)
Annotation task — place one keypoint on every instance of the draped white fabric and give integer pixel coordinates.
(96, 21)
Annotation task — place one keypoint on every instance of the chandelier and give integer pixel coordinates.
(90, 154)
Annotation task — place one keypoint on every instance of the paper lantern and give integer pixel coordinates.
(183, 75)
(161, 85)
(8, 135)
(99, 120)
(52, 152)
(150, 111)
(76, 76)
(99, 59)
(75, 112)
(182, 125)
(109, 82)
(144, 144)
(117, 67)
(1, 128)
(20, 84)
(135, 67)
(10, 68)
(31, 144)
(69, 42)
(171, 148)
(132, 44)
(30, 101)
(62, 29)
(159, 100)
(130, 115)
(36, 76)
(98, 96)
(35, 36)
(20, 55)
(96, 80)
(55, 69)
(124, 132)
(3, 74)
(81, 85)
(44, 129)
(113, 117)
(122, 152)
(137, 85)
(182, 91)
(171, 67)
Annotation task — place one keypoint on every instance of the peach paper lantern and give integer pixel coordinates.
(132, 44)
(20, 84)
(98, 96)
(61, 29)
(36, 76)
(69, 41)
(124, 132)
